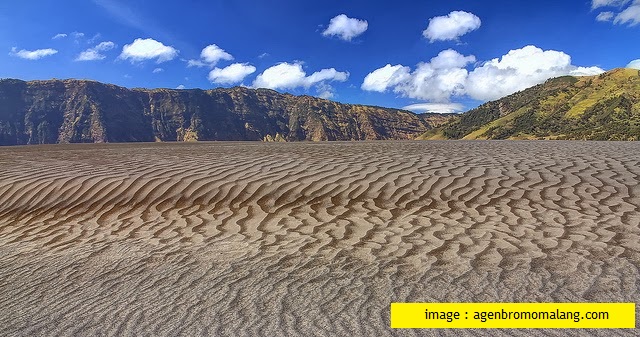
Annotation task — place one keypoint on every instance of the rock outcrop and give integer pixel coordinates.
(80, 111)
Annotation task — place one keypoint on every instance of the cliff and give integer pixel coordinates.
(80, 111)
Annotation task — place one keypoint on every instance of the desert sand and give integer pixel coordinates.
(309, 239)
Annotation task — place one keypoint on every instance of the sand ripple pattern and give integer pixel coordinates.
(309, 239)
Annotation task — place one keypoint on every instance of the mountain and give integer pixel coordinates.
(601, 107)
(80, 111)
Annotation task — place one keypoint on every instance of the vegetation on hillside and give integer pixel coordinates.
(602, 107)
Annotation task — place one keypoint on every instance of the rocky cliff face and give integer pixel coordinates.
(77, 111)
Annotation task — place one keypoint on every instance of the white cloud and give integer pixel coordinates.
(59, 36)
(210, 56)
(436, 80)
(446, 75)
(605, 16)
(231, 74)
(196, 63)
(290, 76)
(325, 90)
(148, 49)
(520, 69)
(157, 70)
(635, 64)
(586, 71)
(263, 55)
(630, 15)
(326, 94)
(94, 54)
(608, 3)
(94, 38)
(383, 78)
(441, 108)
(450, 58)
(77, 36)
(105, 45)
(32, 54)
(283, 75)
(628, 11)
(345, 28)
(451, 26)
(90, 55)
(180, 87)
(325, 75)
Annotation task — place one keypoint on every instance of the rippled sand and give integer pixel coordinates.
(309, 239)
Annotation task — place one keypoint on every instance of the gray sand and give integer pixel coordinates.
(309, 239)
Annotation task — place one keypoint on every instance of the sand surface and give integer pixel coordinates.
(309, 239)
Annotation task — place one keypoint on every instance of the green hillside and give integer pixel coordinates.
(602, 107)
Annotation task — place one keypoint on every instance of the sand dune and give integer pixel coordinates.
(309, 239)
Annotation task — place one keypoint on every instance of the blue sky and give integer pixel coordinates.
(429, 55)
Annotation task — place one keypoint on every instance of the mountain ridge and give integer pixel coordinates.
(81, 111)
(600, 107)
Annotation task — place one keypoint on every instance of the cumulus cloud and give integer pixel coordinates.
(291, 75)
(451, 26)
(520, 69)
(325, 75)
(446, 75)
(517, 70)
(345, 28)
(439, 79)
(231, 74)
(59, 36)
(94, 54)
(635, 64)
(441, 108)
(388, 76)
(586, 71)
(180, 87)
(32, 54)
(213, 54)
(436, 80)
(148, 49)
(210, 56)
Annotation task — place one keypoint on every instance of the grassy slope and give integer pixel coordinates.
(602, 107)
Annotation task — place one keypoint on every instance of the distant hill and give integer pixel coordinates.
(79, 111)
(602, 107)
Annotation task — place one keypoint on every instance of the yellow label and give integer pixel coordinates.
(513, 315)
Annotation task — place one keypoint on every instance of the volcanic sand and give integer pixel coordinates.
(309, 239)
